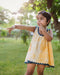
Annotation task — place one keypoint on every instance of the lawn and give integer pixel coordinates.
(13, 53)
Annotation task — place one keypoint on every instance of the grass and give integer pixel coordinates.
(13, 53)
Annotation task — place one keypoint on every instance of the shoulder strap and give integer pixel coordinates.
(48, 30)
(36, 27)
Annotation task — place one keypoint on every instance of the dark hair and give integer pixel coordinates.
(45, 14)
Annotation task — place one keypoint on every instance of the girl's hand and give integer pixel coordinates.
(9, 30)
(41, 28)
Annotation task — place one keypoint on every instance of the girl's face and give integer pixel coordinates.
(41, 20)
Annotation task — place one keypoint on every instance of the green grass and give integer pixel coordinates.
(13, 53)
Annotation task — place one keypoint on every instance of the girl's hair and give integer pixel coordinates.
(45, 14)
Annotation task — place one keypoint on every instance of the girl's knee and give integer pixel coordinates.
(30, 69)
(29, 72)
(40, 68)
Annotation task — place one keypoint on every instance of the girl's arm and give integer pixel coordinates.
(22, 27)
(25, 27)
(48, 36)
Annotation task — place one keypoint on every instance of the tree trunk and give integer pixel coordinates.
(53, 13)
(56, 25)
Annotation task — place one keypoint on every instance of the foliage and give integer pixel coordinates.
(25, 10)
(12, 21)
(56, 7)
(3, 32)
(24, 35)
(15, 33)
(21, 20)
(52, 6)
(4, 17)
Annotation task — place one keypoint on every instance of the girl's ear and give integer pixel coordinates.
(48, 21)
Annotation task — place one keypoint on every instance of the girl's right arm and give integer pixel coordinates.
(22, 27)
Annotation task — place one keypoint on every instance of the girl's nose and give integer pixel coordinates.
(39, 20)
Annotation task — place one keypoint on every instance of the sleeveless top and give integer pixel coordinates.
(40, 50)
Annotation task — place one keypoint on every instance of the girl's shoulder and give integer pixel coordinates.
(36, 26)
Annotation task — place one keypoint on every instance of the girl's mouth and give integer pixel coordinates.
(39, 24)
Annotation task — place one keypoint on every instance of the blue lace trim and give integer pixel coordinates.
(39, 63)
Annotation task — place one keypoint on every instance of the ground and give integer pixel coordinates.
(13, 53)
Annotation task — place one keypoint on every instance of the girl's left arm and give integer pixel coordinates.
(48, 36)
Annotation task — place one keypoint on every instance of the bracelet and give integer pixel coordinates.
(13, 27)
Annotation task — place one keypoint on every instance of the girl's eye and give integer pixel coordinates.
(37, 18)
(41, 18)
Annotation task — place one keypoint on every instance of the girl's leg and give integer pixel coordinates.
(40, 69)
(30, 69)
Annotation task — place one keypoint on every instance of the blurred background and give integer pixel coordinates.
(14, 46)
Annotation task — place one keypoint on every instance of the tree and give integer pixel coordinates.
(24, 11)
(12, 21)
(4, 17)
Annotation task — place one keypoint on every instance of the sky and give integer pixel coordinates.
(12, 5)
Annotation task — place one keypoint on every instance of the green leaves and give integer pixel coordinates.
(24, 35)
(3, 33)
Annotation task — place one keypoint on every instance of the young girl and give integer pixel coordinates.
(40, 52)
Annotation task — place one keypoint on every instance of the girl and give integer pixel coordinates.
(40, 52)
